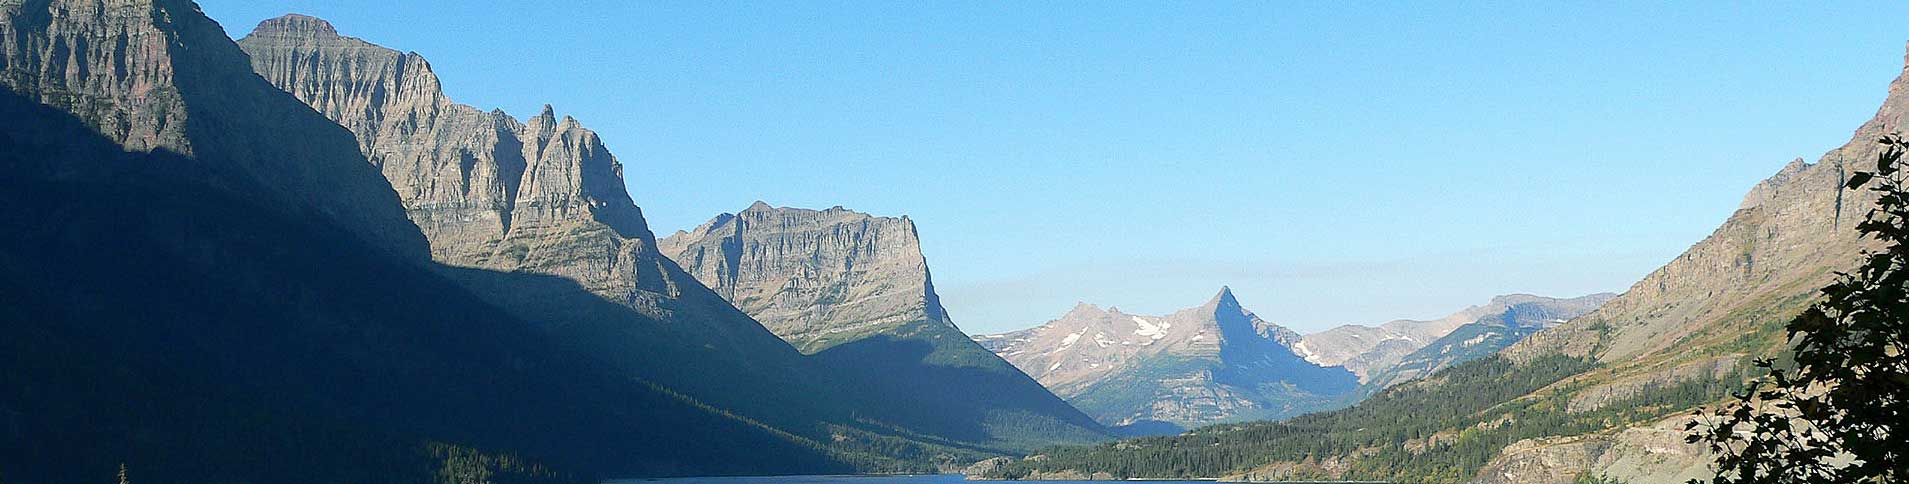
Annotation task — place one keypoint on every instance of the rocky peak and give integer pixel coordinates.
(296, 26)
(1224, 300)
(1083, 310)
(817, 278)
(469, 177)
(1191, 367)
(541, 196)
(158, 75)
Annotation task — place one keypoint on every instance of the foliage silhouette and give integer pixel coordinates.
(1836, 412)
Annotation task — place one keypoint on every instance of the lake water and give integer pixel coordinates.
(946, 479)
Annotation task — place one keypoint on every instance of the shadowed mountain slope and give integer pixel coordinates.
(207, 283)
(544, 196)
(855, 291)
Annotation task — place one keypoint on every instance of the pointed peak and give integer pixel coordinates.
(1225, 297)
(296, 25)
(759, 206)
(1083, 309)
(549, 113)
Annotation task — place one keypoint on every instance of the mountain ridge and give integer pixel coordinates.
(1199, 365)
(855, 291)
(181, 238)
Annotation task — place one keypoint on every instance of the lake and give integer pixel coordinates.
(942, 479)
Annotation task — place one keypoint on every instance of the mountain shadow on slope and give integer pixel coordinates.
(965, 402)
(192, 333)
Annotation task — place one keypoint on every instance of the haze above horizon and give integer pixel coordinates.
(1344, 164)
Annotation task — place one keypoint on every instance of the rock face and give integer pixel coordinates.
(815, 278)
(537, 197)
(543, 197)
(120, 67)
(854, 290)
(196, 266)
(1366, 349)
(1520, 316)
(1211, 363)
(1726, 298)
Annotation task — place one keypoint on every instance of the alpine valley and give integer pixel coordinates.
(1602, 397)
(292, 257)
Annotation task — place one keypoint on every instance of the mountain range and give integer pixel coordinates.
(1218, 362)
(292, 258)
(208, 283)
(1162, 374)
(544, 196)
(1603, 396)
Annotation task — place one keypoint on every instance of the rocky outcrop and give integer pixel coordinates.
(124, 67)
(1366, 350)
(542, 196)
(1726, 297)
(1206, 364)
(542, 202)
(221, 261)
(1654, 453)
(817, 278)
(854, 290)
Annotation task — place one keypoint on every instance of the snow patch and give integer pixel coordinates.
(1148, 329)
(1056, 366)
(1070, 339)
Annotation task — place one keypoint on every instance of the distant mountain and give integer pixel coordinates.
(1211, 363)
(1522, 316)
(1366, 350)
(206, 282)
(1602, 396)
(854, 290)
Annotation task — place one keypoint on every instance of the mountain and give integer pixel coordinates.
(1515, 317)
(1604, 395)
(207, 282)
(1158, 374)
(854, 290)
(544, 197)
(1368, 349)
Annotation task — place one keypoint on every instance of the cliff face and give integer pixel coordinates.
(157, 76)
(854, 290)
(542, 196)
(1202, 365)
(815, 278)
(204, 281)
(1723, 300)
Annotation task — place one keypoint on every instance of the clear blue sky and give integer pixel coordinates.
(1331, 164)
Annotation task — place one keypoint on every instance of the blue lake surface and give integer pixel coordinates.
(943, 479)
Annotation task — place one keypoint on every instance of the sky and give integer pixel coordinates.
(1333, 163)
